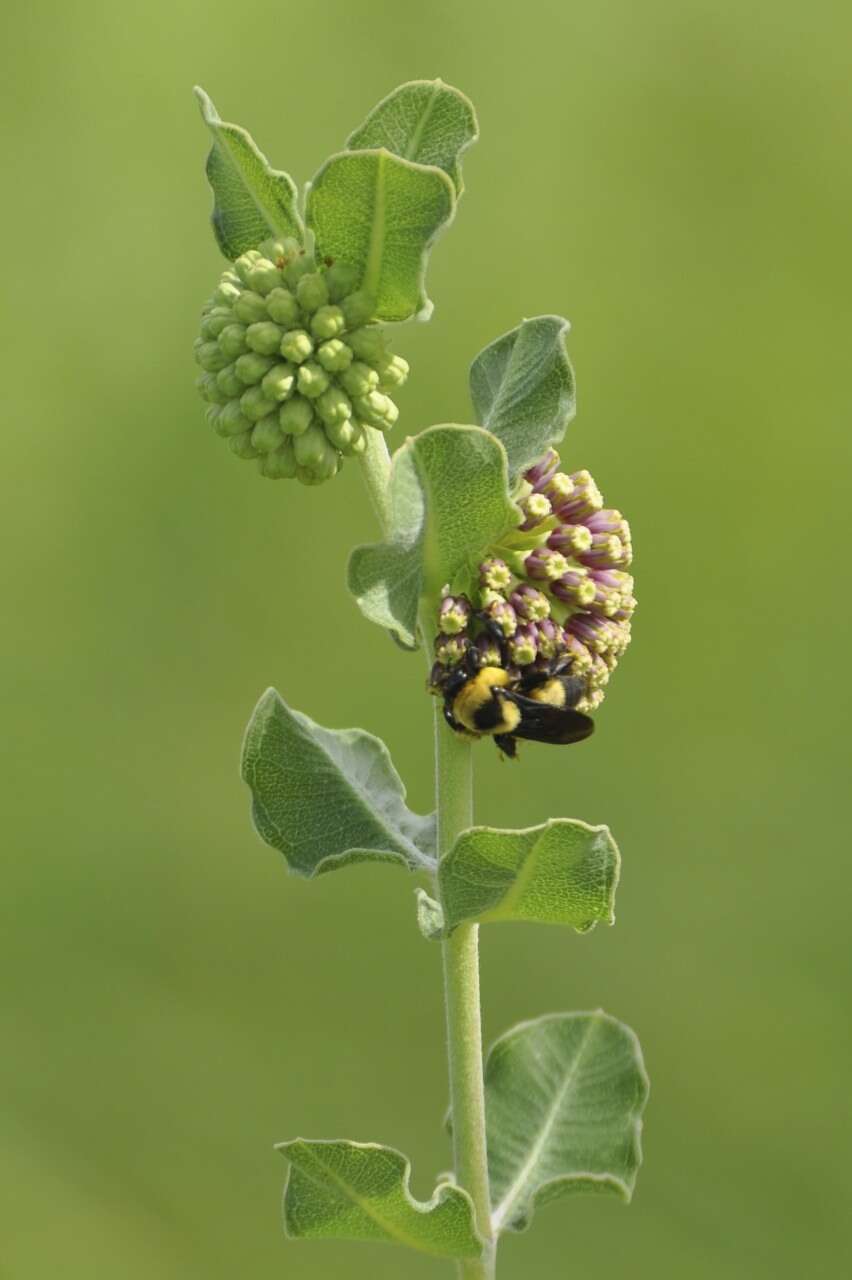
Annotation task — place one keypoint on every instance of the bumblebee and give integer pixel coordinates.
(538, 705)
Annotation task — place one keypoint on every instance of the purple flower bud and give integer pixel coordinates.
(581, 659)
(559, 488)
(540, 474)
(584, 501)
(550, 638)
(575, 588)
(454, 614)
(596, 633)
(490, 652)
(495, 574)
(609, 521)
(529, 603)
(606, 552)
(449, 650)
(522, 647)
(536, 507)
(545, 564)
(570, 539)
(501, 617)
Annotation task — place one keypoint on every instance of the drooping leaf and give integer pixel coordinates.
(381, 215)
(563, 872)
(328, 797)
(251, 201)
(522, 387)
(359, 1191)
(449, 503)
(426, 121)
(564, 1096)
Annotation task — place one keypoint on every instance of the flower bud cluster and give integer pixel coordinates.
(290, 368)
(558, 597)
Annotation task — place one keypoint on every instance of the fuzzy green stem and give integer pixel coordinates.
(375, 468)
(454, 778)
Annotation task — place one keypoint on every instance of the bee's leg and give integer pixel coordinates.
(507, 745)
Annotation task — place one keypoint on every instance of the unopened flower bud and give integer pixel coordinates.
(242, 446)
(232, 340)
(334, 355)
(232, 421)
(327, 323)
(263, 337)
(245, 262)
(283, 308)
(529, 603)
(449, 650)
(358, 308)
(296, 346)
(281, 464)
(312, 379)
(214, 321)
(501, 617)
(559, 488)
(327, 466)
(545, 564)
(251, 367)
(359, 379)
(522, 647)
(490, 653)
(334, 405)
(454, 614)
(341, 279)
(250, 307)
(369, 344)
(211, 358)
(310, 446)
(227, 293)
(495, 574)
(255, 405)
(575, 587)
(299, 265)
(279, 382)
(312, 291)
(536, 508)
(376, 409)
(585, 500)
(228, 383)
(550, 639)
(606, 552)
(264, 276)
(208, 385)
(346, 435)
(570, 539)
(295, 416)
(393, 372)
(539, 475)
(267, 435)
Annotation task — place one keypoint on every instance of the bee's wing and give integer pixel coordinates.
(543, 723)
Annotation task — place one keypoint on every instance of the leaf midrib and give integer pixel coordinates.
(501, 1212)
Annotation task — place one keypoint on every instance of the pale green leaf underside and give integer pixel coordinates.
(381, 215)
(449, 504)
(564, 1100)
(430, 917)
(522, 387)
(359, 1191)
(563, 872)
(328, 797)
(251, 201)
(425, 121)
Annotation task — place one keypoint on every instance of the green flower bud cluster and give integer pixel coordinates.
(292, 371)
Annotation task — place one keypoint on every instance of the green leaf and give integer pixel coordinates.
(564, 1097)
(328, 797)
(449, 503)
(381, 215)
(563, 872)
(426, 121)
(251, 201)
(359, 1191)
(522, 387)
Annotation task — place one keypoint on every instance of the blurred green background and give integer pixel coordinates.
(676, 179)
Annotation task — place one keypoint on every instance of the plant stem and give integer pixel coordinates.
(375, 468)
(454, 801)
(454, 779)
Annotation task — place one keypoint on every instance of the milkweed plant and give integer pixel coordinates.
(509, 572)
